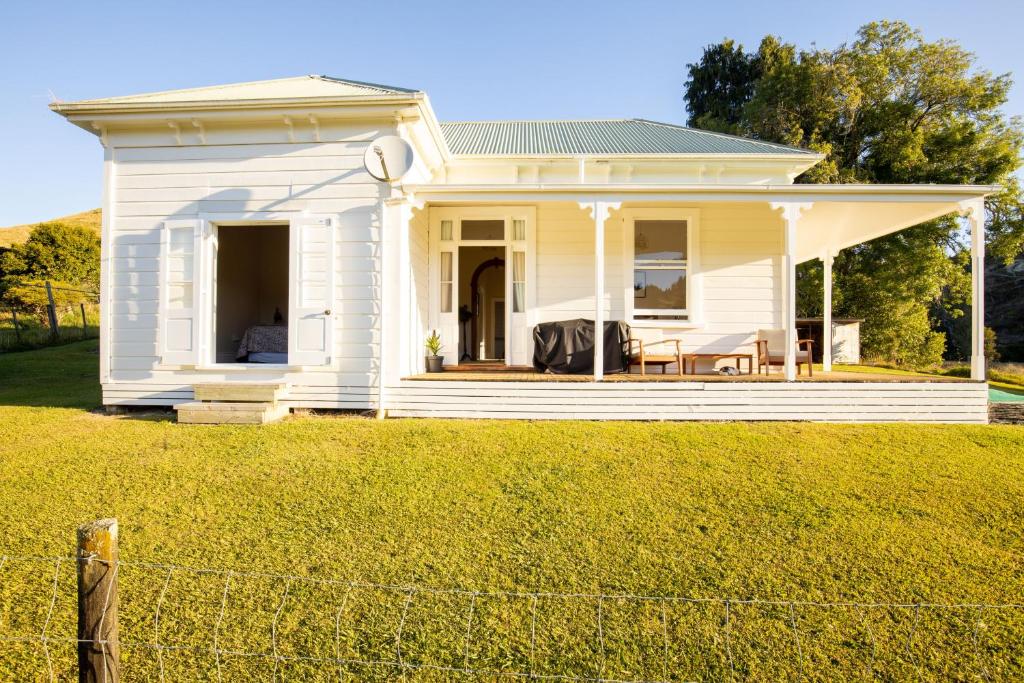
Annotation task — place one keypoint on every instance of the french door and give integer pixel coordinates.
(511, 229)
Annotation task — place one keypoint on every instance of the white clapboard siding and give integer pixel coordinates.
(158, 181)
(811, 401)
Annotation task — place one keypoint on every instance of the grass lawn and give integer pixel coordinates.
(789, 512)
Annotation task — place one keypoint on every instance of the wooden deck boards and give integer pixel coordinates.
(530, 375)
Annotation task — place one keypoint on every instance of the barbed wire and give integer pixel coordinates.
(637, 645)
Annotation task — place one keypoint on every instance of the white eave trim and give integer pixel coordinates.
(822, 192)
(101, 107)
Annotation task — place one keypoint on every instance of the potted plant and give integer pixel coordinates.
(434, 360)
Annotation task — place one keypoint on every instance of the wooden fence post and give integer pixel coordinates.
(51, 311)
(99, 651)
(85, 330)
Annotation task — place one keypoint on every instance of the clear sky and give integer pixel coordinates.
(476, 60)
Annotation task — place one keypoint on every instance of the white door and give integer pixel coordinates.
(181, 248)
(521, 278)
(444, 291)
(311, 277)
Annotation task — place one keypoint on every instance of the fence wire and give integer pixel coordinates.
(185, 623)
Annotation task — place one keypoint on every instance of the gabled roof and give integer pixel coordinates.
(298, 87)
(600, 137)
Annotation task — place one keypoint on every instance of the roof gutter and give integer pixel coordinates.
(794, 189)
(87, 107)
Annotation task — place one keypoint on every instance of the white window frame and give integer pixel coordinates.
(691, 316)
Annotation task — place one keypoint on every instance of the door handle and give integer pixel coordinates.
(327, 312)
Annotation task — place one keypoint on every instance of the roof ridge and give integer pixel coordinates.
(492, 121)
(728, 136)
(240, 84)
(365, 84)
(196, 89)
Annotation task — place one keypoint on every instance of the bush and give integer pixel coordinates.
(53, 251)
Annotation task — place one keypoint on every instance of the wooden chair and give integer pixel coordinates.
(639, 355)
(771, 350)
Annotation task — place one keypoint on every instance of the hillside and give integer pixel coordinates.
(19, 233)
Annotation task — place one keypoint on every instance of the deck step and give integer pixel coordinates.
(255, 392)
(226, 412)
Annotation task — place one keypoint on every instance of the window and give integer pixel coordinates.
(446, 281)
(660, 264)
(518, 281)
(489, 229)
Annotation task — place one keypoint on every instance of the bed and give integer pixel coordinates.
(264, 344)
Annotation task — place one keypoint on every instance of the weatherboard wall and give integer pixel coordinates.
(156, 179)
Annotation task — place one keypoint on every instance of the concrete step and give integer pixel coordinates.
(256, 392)
(224, 412)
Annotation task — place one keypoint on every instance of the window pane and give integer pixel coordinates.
(446, 231)
(518, 281)
(518, 229)
(659, 288)
(659, 240)
(483, 230)
(446, 298)
(446, 266)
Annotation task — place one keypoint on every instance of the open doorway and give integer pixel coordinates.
(251, 302)
(481, 287)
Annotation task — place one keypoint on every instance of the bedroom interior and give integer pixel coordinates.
(251, 309)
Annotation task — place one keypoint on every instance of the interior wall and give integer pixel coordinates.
(252, 282)
(491, 287)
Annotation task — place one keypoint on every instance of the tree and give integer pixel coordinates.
(721, 86)
(55, 251)
(67, 256)
(890, 108)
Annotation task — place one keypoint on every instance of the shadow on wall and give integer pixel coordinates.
(356, 255)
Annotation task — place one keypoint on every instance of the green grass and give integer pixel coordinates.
(33, 333)
(804, 512)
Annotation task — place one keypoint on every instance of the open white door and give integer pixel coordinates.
(311, 276)
(521, 288)
(444, 292)
(180, 300)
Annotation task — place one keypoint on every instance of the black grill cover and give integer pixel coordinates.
(566, 347)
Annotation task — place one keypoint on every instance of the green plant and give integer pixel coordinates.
(433, 343)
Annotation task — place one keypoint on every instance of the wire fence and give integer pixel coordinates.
(185, 623)
(65, 315)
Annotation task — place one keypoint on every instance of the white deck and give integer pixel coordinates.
(952, 402)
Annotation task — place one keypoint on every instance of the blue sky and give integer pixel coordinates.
(476, 60)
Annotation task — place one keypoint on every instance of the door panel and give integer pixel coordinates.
(311, 277)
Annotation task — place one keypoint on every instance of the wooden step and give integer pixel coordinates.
(256, 392)
(225, 412)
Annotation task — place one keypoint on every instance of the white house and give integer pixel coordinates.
(246, 248)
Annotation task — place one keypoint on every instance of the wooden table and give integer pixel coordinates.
(694, 357)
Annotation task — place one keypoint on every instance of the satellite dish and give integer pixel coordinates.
(388, 158)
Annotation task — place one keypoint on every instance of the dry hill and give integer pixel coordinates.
(19, 233)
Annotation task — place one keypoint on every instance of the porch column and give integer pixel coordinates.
(826, 323)
(600, 212)
(392, 359)
(790, 217)
(975, 211)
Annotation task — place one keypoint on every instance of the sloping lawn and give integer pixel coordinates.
(786, 512)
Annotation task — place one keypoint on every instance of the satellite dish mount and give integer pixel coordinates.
(388, 158)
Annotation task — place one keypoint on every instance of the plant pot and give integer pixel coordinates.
(435, 363)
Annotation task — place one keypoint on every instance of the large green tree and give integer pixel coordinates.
(889, 107)
(66, 255)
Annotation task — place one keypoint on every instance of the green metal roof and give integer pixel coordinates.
(597, 137)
